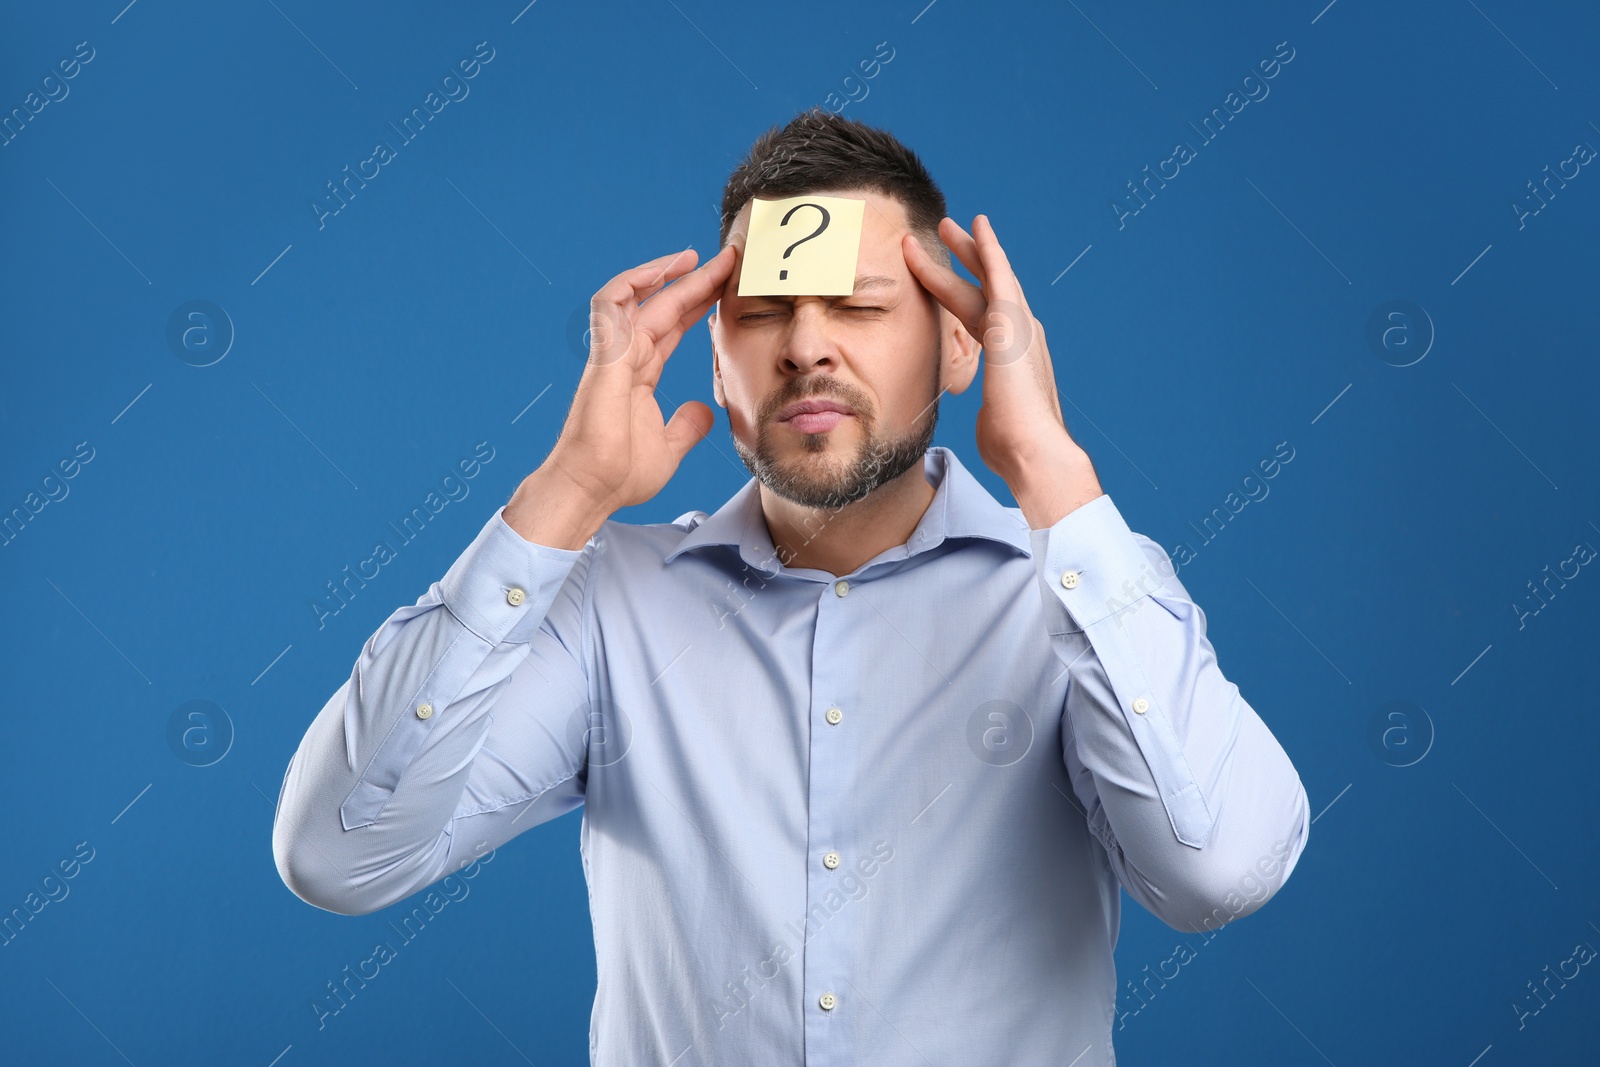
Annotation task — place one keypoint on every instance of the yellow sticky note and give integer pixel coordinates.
(802, 246)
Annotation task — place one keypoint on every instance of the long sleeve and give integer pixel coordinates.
(1202, 814)
(461, 725)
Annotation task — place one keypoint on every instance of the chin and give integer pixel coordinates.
(828, 448)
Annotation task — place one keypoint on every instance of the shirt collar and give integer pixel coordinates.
(961, 507)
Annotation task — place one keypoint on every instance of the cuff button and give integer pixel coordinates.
(515, 597)
(1069, 579)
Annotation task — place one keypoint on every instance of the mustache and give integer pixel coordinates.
(785, 397)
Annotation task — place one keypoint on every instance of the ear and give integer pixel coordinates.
(716, 366)
(958, 353)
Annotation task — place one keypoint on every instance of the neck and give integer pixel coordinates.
(840, 540)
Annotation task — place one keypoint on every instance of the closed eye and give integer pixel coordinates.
(751, 315)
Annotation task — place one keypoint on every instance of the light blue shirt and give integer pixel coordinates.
(878, 820)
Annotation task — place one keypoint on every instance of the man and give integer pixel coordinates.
(865, 755)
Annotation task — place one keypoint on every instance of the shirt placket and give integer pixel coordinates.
(831, 839)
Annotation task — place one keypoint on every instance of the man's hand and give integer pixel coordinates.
(615, 448)
(1020, 432)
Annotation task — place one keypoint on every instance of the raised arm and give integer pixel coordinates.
(451, 734)
(465, 719)
(1201, 812)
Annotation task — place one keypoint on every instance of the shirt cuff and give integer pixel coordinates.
(503, 584)
(1092, 564)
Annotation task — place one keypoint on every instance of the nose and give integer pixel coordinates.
(808, 345)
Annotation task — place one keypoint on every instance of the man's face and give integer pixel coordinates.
(875, 353)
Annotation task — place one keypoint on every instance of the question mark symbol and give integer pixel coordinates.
(783, 275)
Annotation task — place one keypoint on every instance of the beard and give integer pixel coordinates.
(824, 482)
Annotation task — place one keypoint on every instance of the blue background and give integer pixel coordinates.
(1454, 854)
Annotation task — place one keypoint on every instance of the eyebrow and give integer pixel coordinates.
(864, 282)
(874, 281)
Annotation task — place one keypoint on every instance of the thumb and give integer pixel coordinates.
(688, 425)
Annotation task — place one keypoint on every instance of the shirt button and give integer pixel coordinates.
(515, 597)
(833, 716)
(1141, 705)
(827, 1000)
(424, 711)
(831, 860)
(841, 587)
(1069, 579)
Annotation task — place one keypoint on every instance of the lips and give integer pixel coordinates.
(815, 416)
(816, 421)
(808, 407)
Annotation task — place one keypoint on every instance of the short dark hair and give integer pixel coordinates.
(821, 150)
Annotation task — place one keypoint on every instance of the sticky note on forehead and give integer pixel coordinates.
(802, 246)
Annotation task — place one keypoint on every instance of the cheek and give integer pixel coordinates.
(743, 402)
(741, 422)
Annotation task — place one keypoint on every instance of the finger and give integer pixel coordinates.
(631, 286)
(668, 342)
(665, 269)
(963, 299)
(688, 425)
(695, 314)
(612, 353)
(659, 316)
(1000, 281)
(962, 246)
